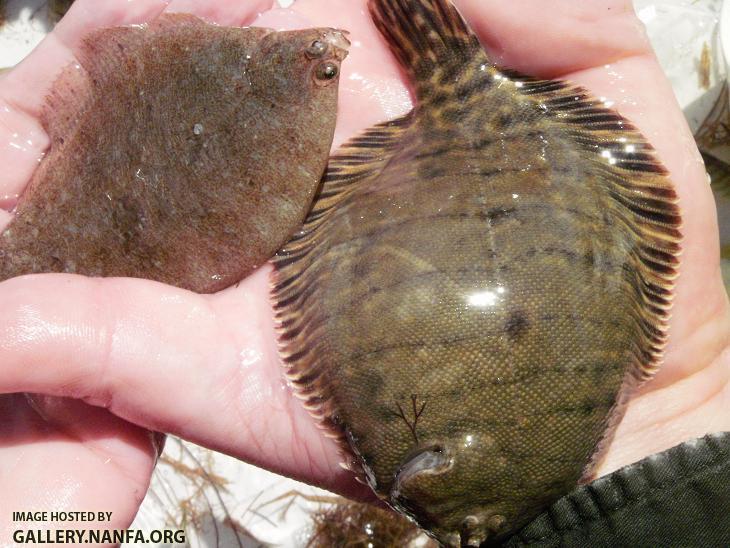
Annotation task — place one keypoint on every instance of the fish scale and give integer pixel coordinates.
(479, 286)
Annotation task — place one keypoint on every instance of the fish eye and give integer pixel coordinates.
(326, 72)
(316, 49)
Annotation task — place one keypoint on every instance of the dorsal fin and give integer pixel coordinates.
(425, 35)
(647, 205)
(111, 46)
(637, 181)
(72, 91)
(66, 102)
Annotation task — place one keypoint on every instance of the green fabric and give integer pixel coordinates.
(680, 497)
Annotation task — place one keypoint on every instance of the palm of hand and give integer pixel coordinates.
(132, 356)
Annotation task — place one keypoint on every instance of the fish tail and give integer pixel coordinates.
(425, 35)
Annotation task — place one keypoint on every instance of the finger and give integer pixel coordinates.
(553, 41)
(202, 367)
(222, 13)
(65, 456)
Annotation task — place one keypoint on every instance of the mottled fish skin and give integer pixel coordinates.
(479, 286)
(58, 8)
(181, 151)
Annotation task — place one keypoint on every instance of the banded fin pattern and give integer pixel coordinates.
(299, 319)
(424, 35)
(646, 202)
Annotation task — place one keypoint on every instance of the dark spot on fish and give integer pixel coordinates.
(474, 85)
(360, 269)
(589, 258)
(449, 73)
(438, 99)
(503, 120)
(517, 325)
(498, 214)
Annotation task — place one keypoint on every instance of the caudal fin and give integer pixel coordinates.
(425, 35)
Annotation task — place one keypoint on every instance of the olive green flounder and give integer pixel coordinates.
(58, 8)
(479, 285)
(181, 151)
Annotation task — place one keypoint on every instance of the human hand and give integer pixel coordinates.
(135, 356)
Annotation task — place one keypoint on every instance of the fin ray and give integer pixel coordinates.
(72, 91)
(424, 35)
(646, 204)
(68, 99)
(294, 281)
(645, 199)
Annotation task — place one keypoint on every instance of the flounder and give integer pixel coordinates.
(58, 8)
(181, 151)
(479, 285)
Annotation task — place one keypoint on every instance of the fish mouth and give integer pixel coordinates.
(338, 40)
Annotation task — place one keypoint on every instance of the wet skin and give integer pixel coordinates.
(479, 286)
(191, 165)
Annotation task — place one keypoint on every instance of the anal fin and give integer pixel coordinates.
(298, 270)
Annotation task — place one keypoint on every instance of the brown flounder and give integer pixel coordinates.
(181, 151)
(479, 285)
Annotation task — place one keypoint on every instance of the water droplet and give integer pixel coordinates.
(249, 356)
(482, 299)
